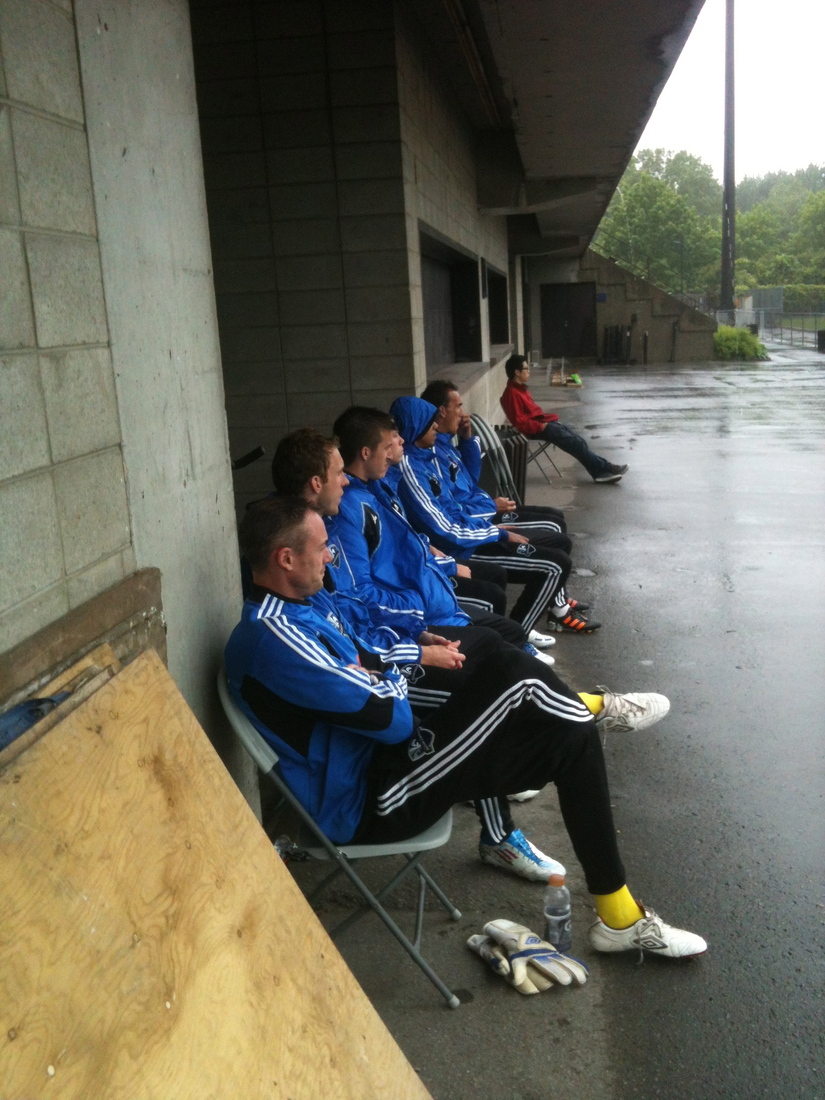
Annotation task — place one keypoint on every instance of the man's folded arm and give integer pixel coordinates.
(301, 671)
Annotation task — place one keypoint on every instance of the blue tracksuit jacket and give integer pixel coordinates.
(394, 572)
(287, 665)
(426, 489)
(463, 467)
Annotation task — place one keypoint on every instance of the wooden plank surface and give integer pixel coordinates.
(152, 944)
(82, 680)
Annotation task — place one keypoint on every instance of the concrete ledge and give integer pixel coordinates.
(481, 384)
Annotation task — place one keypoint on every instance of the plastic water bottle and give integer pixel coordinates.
(558, 916)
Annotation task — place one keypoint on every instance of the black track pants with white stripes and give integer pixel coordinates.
(429, 688)
(481, 595)
(510, 725)
(534, 513)
(542, 526)
(542, 570)
(508, 629)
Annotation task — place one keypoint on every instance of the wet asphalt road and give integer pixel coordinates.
(710, 581)
(710, 563)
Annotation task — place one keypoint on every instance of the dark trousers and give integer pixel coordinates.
(485, 589)
(506, 628)
(572, 443)
(542, 526)
(542, 570)
(534, 513)
(508, 724)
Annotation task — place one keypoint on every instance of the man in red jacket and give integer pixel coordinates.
(525, 415)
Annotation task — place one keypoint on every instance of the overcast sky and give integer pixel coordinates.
(780, 90)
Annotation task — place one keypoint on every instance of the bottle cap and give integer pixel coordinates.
(556, 880)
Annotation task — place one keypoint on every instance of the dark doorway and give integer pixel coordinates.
(568, 320)
(497, 307)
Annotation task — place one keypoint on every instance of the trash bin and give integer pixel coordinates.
(754, 330)
(820, 339)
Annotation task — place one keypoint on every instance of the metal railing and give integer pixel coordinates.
(796, 329)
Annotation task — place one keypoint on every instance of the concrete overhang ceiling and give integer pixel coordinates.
(558, 93)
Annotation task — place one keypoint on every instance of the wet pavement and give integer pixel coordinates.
(709, 577)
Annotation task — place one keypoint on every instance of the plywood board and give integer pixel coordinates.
(129, 615)
(152, 944)
(82, 680)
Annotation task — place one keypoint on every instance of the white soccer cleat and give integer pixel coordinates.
(539, 640)
(631, 711)
(649, 933)
(523, 796)
(516, 854)
(545, 658)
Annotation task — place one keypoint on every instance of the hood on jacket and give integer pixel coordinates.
(412, 417)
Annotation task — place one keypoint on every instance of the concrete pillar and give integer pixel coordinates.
(139, 95)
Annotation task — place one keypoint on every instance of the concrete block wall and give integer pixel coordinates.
(656, 312)
(302, 162)
(64, 517)
(440, 191)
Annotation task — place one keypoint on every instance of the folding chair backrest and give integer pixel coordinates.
(258, 748)
(496, 455)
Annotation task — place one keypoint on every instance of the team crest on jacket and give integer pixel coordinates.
(422, 743)
(334, 554)
(336, 622)
(453, 472)
(434, 485)
(411, 673)
(525, 549)
(509, 517)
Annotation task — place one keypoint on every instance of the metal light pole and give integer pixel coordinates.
(729, 183)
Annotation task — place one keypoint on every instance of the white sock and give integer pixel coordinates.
(560, 612)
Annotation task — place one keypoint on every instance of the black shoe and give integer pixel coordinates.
(614, 474)
(578, 605)
(574, 622)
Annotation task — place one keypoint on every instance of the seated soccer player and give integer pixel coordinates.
(355, 757)
(433, 508)
(542, 524)
(531, 420)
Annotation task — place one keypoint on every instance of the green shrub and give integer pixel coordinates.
(737, 343)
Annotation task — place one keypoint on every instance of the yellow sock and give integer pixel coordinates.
(594, 703)
(619, 909)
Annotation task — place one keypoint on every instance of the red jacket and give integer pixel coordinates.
(522, 411)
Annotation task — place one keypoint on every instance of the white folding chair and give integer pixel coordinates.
(345, 855)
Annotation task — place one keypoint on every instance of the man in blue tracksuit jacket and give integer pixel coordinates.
(433, 508)
(350, 750)
(540, 523)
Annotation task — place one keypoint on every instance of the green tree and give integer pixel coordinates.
(685, 174)
(759, 236)
(665, 221)
(809, 240)
(653, 226)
